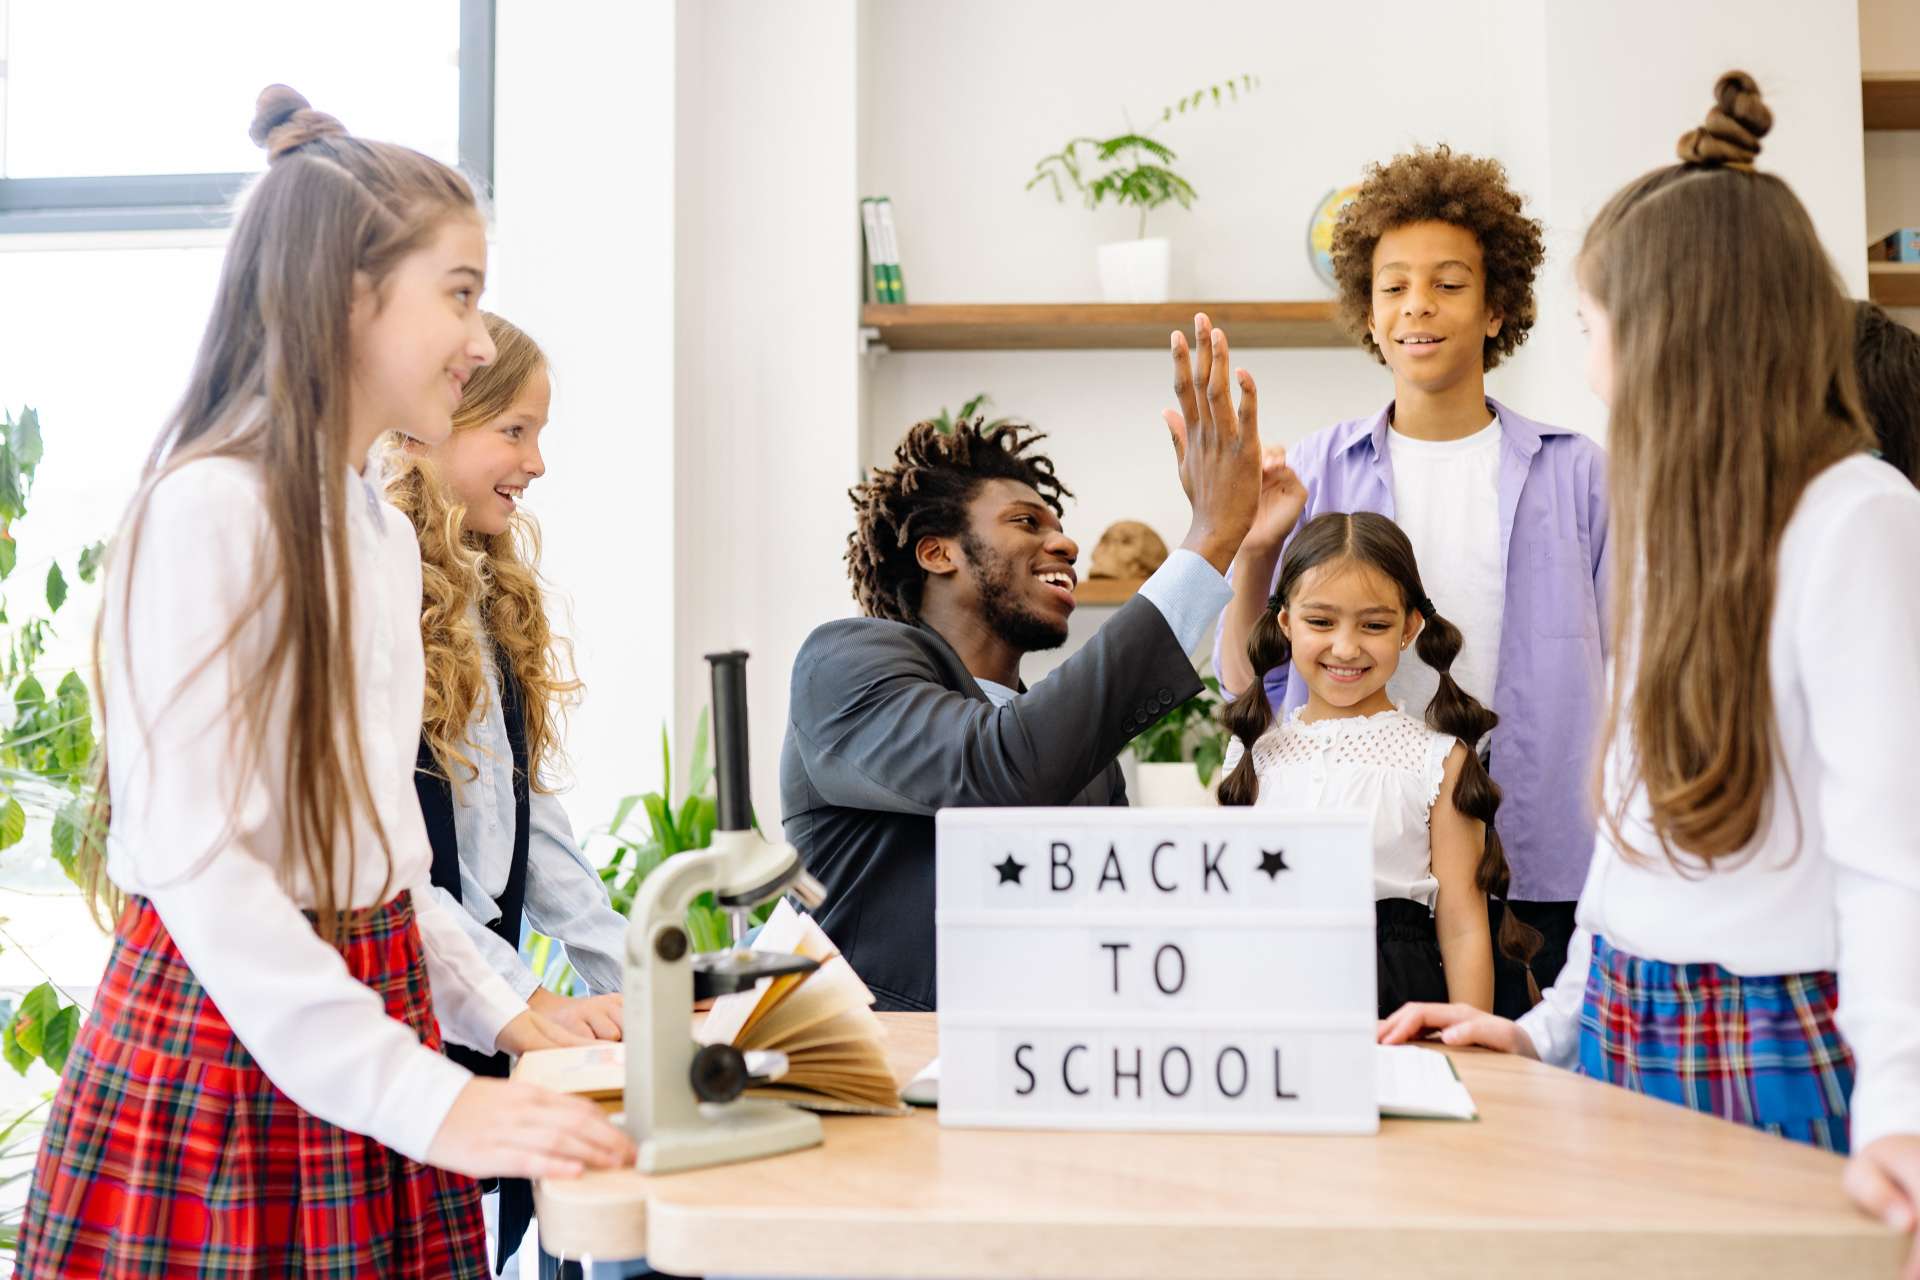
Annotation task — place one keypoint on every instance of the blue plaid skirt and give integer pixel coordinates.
(1758, 1051)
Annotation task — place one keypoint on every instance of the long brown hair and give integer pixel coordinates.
(1733, 386)
(460, 569)
(270, 385)
(1366, 538)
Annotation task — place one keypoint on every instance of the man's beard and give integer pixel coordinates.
(1013, 622)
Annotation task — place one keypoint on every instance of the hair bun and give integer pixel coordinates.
(1731, 133)
(283, 119)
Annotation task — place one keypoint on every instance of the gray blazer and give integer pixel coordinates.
(885, 726)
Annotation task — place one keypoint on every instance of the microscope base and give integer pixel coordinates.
(742, 1130)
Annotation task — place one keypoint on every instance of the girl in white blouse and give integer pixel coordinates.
(498, 680)
(1749, 941)
(260, 1072)
(1349, 602)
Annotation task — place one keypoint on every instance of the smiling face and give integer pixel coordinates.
(418, 337)
(488, 467)
(1012, 567)
(1429, 313)
(1348, 625)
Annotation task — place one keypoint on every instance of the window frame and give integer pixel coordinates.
(176, 201)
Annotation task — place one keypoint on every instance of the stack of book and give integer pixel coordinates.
(882, 274)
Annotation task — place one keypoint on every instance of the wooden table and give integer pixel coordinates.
(1560, 1177)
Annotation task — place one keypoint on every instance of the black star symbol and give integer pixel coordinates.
(1273, 862)
(1010, 870)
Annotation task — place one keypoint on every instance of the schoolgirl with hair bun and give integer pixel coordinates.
(259, 1088)
(1749, 941)
(1348, 605)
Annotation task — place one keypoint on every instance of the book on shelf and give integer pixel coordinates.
(890, 246)
(823, 1022)
(874, 276)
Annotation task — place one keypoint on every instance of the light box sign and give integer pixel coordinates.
(1163, 969)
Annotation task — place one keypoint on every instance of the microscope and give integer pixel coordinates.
(683, 1103)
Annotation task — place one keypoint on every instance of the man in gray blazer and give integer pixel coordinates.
(961, 567)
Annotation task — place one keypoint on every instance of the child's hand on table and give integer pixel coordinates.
(595, 1017)
(500, 1129)
(1883, 1178)
(1458, 1024)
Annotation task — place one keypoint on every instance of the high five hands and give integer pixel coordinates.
(1217, 446)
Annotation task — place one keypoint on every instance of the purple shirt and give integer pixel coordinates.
(1549, 690)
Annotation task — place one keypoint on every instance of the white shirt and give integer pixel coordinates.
(1832, 879)
(1446, 495)
(1387, 764)
(565, 898)
(230, 901)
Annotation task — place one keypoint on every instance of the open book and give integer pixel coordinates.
(822, 1022)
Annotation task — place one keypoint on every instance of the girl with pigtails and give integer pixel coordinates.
(1348, 604)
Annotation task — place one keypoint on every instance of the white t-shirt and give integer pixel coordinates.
(196, 824)
(1832, 879)
(1446, 495)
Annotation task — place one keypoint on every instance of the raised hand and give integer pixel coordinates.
(1216, 445)
(1283, 498)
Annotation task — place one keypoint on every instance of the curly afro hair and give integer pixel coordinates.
(1438, 186)
(935, 473)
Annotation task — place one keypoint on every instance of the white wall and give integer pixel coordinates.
(959, 101)
(583, 259)
(766, 404)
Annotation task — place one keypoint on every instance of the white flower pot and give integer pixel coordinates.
(1173, 786)
(1135, 270)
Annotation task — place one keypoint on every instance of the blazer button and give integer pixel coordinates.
(1166, 698)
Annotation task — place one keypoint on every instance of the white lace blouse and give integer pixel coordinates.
(1388, 764)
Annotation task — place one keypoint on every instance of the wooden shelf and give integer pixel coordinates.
(1888, 100)
(1107, 590)
(1088, 326)
(1894, 284)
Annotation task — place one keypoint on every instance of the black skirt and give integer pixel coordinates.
(1407, 954)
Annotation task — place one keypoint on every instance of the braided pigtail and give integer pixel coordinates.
(1456, 712)
(1250, 715)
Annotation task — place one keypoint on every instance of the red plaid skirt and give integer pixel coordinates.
(170, 1153)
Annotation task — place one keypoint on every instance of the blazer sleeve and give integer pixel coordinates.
(878, 728)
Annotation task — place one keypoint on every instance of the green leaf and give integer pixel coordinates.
(37, 1009)
(700, 772)
(57, 1040)
(90, 558)
(620, 817)
(666, 767)
(56, 587)
(9, 552)
(1207, 757)
(24, 439)
(17, 1057)
(13, 823)
(663, 829)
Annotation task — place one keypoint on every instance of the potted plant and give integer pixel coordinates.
(1140, 175)
(1179, 755)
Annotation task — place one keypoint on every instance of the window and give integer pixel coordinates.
(130, 115)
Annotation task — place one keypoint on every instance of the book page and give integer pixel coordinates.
(1420, 1084)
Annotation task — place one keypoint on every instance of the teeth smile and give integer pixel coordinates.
(1056, 578)
(1418, 342)
(1344, 671)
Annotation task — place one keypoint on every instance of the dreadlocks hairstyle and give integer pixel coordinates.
(1364, 538)
(1714, 432)
(924, 494)
(1886, 359)
(1470, 192)
(496, 573)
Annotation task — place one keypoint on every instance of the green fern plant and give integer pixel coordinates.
(972, 408)
(1140, 173)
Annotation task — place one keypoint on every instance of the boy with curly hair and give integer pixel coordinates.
(960, 565)
(1435, 260)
